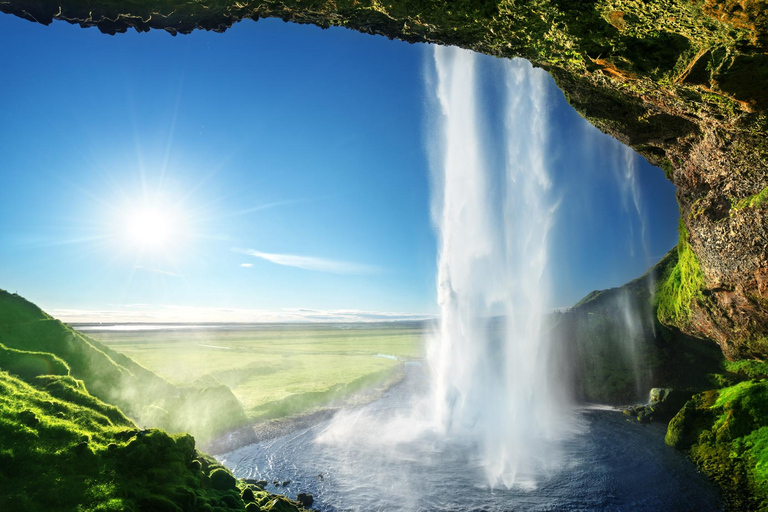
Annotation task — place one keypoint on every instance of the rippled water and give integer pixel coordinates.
(613, 464)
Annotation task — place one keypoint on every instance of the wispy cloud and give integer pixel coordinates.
(267, 206)
(189, 314)
(312, 263)
(246, 265)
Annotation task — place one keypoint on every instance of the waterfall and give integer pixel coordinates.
(492, 380)
(638, 319)
(497, 395)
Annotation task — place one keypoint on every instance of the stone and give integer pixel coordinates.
(305, 499)
(248, 495)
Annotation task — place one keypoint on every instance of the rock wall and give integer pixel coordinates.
(684, 82)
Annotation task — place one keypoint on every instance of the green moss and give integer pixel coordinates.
(753, 201)
(726, 433)
(60, 455)
(680, 286)
(222, 480)
(748, 368)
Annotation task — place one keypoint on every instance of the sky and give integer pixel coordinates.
(276, 172)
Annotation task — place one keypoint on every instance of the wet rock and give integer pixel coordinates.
(286, 483)
(663, 404)
(305, 499)
(659, 395)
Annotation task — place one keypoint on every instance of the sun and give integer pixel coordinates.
(151, 227)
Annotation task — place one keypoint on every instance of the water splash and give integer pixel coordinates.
(490, 360)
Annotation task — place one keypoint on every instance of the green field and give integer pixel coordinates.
(274, 370)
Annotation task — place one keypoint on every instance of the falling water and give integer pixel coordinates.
(638, 322)
(490, 359)
(493, 405)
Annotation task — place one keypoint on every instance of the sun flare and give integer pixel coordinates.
(152, 228)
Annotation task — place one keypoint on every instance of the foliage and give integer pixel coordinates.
(276, 370)
(680, 285)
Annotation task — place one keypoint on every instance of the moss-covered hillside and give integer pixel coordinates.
(142, 395)
(725, 431)
(684, 82)
(615, 349)
(65, 450)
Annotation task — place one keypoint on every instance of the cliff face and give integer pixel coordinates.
(684, 82)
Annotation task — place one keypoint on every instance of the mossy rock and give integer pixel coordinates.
(222, 480)
(695, 417)
(248, 495)
(726, 433)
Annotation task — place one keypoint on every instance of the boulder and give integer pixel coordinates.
(305, 499)
(222, 480)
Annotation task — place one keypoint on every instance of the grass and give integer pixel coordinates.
(85, 456)
(50, 347)
(749, 368)
(680, 285)
(61, 448)
(208, 381)
(274, 370)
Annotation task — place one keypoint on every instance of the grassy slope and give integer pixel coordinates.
(62, 449)
(276, 370)
(117, 379)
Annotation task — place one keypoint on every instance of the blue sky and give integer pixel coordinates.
(293, 160)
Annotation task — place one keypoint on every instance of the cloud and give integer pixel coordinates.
(267, 206)
(168, 313)
(312, 263)
(246, 265)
